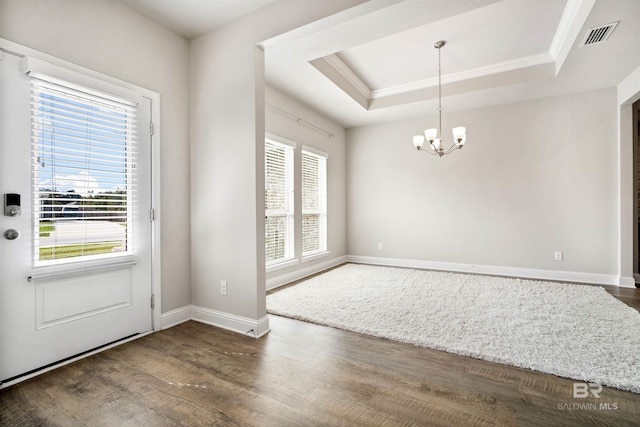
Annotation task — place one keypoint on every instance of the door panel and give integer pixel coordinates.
(53, 312)
(68, 300)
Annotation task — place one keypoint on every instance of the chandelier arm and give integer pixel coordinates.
(452, 148)
(433, 153)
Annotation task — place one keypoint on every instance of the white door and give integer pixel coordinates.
(78, 276)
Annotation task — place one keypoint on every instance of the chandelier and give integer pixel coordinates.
(435, 143)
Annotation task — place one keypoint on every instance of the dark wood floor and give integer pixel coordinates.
(629, 296)
(301, 375)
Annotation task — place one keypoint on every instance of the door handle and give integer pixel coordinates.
(11, 234)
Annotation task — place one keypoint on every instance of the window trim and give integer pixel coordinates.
(282, 265)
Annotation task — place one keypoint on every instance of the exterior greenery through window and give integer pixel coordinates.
(83, 162)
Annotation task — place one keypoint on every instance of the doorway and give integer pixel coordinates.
(636, 191)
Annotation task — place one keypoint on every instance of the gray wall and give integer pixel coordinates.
(113, 39)
(227, 155)
(534, 178)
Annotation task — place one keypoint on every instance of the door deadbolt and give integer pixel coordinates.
(12, 204)
(11, 234)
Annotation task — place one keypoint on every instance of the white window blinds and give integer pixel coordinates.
(84, 164)
(314, 203)
(278, 202)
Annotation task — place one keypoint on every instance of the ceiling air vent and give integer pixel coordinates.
(598, 34)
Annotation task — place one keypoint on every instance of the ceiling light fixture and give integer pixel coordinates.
(431, 135)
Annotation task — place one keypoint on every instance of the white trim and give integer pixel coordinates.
(57, 272)
(315, 255)
(231, 322)
(156, 205)
(91, 84)
(529, 273)
(282, 264)
(503, 67)
(284, 279)
(22, 51)
(335, 62)
(628, 90)
(573, 18)
(315, 151)
(219, 319)
(176, 316)
(215, 318)
(627, 282)
(275, 139)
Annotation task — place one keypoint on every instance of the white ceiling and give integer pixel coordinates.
(376, 62)
(191, 18)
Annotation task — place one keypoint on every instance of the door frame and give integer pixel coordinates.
(156, 214)
(628, 92)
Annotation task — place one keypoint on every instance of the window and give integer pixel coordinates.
(314, 203)
(278, 202)
(83, 163)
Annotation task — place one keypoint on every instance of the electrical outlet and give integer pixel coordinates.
(223, 287)
(559, 256)
(380, 245)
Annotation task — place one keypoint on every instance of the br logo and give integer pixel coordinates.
(582, 390)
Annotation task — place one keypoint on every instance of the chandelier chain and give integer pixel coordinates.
(439, 93)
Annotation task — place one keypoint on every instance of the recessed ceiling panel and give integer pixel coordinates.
(501, 32)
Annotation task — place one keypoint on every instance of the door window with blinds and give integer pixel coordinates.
(84, 173)
(314, 203)
(278, 202)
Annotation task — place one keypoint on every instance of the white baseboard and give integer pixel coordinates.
(220, 319)
(627, 282)
(529, 273)
(303, 272)
(231, 322)
(175, 317)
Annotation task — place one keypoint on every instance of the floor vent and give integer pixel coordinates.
(598, 34)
